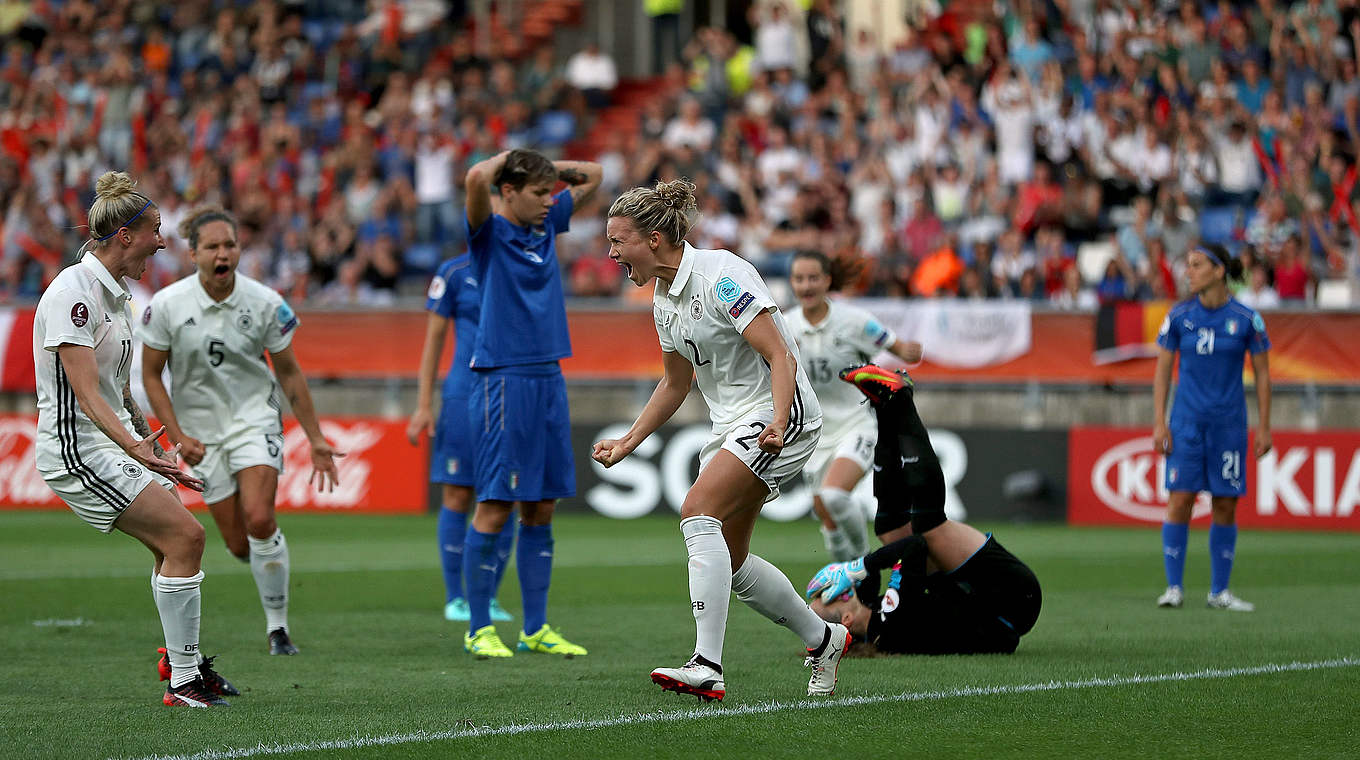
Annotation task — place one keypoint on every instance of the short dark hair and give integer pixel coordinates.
(524, 167)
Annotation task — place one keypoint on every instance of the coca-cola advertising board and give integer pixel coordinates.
(1307, 480)
(380, 472)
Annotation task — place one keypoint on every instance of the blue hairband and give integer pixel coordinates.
(124, 224)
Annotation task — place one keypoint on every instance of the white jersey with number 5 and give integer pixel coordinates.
(846, 337)
(702, 313)
(221, 381)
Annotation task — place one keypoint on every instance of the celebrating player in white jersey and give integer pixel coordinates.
(93, 446)
(214, 327)
(832, 336)
(715, 318)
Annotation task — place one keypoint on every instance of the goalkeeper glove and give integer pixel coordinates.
(836, 579)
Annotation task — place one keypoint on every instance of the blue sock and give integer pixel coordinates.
(1175, 539)
(1222, 547)
(505, 543)
(535, 572)
(479, 573)
(452, 530)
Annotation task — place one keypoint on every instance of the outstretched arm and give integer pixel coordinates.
(1161, 388)
(422, 419)
(670, 393)
(763, 335)
(294, 385)
(139, 421)
(1260, 367)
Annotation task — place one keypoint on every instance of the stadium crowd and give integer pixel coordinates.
(1065, 151)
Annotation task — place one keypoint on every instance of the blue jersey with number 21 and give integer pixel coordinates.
(1212, 344)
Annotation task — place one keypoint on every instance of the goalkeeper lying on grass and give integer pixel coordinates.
(952, 590)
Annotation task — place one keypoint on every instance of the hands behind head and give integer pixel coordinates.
(572, 177)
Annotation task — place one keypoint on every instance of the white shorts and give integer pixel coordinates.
(102, 484)
(740, 439)
(856, 444)
(249, 448)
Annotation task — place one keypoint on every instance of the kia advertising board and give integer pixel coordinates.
(1308, 480)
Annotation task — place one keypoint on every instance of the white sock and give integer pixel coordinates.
(837, 545)
(269, 565)
(179, 602)
(710, 583)
(767, 590)
(849, 520)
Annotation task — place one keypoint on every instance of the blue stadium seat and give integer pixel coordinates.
(1216, 224)
(556, 128)
(422, 258)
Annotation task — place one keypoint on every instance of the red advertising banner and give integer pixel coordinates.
(380, 472)
(1308, 480)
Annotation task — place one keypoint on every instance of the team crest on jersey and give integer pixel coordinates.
(244, 321)
(437, 288)
(80, 314)
(696, 309)
(1230, 326)
(132, 471)
(890, 601)
(741, 304)
(727, 290)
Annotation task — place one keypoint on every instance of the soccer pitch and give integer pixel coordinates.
(381, 674)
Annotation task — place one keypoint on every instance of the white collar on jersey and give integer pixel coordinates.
(683, 271)
(206, 301)
(101, 273)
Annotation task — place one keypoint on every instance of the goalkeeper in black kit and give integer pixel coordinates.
(950, 589)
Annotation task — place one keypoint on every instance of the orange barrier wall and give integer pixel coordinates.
(1308, 346)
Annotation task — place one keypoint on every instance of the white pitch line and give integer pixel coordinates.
(759, 708)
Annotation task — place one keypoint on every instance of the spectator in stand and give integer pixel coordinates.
(1293, 280)
(1259, 294)
(777, 43)
(1134, 238)
(594, 74)
(1114, 284)
(689, 128)
(1271, 228)
(1239, 170)
(1074, 295)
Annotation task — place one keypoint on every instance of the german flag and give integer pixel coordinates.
(1128, 330)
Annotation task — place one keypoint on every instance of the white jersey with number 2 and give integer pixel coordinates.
(702, 313)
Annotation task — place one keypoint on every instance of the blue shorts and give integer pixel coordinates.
(451, 459)
(1208, 455)
(523, 434)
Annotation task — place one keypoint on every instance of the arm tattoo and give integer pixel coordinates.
(138, 421)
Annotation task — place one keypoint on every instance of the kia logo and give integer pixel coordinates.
(1129, 479)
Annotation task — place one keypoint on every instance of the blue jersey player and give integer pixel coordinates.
(518, 402)
(1206, 442)
(453, 298)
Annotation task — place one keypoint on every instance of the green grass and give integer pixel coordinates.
(378, 660)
